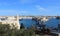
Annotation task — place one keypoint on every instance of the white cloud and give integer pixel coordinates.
(41, 9)
(14, 11)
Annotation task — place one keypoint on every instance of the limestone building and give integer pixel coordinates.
(13, 21)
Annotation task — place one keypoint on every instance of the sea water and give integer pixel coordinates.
(27, 22)
(52, 22)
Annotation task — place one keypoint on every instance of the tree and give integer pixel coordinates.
(28, 32)
(4, 29)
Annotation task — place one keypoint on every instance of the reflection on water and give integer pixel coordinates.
(27, 22)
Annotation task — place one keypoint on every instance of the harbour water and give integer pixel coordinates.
(27, 22)
(50, 23)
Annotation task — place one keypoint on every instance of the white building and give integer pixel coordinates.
(11, 20)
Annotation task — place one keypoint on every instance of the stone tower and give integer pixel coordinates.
(18, 24)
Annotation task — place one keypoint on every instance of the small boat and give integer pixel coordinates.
(20, 19)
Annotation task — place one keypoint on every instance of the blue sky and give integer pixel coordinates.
(30, 7)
